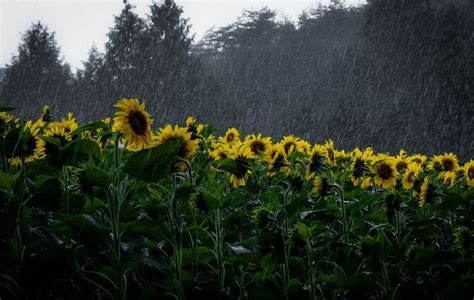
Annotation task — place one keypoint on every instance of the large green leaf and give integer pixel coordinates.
(78, 151)
(154, 163)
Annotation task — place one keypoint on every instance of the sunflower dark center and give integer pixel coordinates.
(401, 165)
(257, 146)
(288, 146)
(470, 173)
(448, 165)
(385, 171)
(331, 154)
(230, 137)
(138, 122)
(411, 177)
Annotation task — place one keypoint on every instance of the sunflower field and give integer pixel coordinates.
(116, 209)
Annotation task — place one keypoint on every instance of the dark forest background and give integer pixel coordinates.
(389, 74)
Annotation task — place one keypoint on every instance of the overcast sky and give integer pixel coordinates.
(81, 23)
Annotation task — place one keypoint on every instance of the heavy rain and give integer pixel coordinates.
(387, 74)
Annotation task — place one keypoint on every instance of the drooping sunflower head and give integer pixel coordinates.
(330, 152)
(411, 175)
(240, 155)
(360, 164)
(469, 173)
(170, 133)
(31, 147)
(63, 130)
(449, 178)
(290, 144)
(316, 161)
(257, 144)
(275, 157)
(134, 123)
(385, 172)
(426, 192)
(320, 186)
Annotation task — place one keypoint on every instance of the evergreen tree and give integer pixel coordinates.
(36, 75)
(124, 55)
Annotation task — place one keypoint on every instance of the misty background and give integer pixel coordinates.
(387, 73)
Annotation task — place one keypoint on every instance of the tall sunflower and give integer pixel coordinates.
(257, 144)
(469, 173)
(170, 133)
(316, 161)
(134, 123)
(385, 172)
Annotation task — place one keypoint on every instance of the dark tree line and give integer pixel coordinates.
(390, 74)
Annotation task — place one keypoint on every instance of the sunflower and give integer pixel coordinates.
(304, 146)
(257, 144)
(410, 176)
(61, 130)
(275, 156)
(194, 127)
(240, 155)
(134, 123)
(469, 173)
(360, 166)
(221, 152)
(45, 114)
(330, 152)
(385, 172)
(316, 161)
(435, 163)
(290, 144)
(7, 121)
(401, 161)
(449, 178)
(231, 137)
(426, 192)
(416, 158)
(170, 133)
(321, 186)
(31, 147)
(449, 162)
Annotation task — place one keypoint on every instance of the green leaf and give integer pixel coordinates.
(154, 163)
(303, 231)
(78, 151)
(7, 181)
